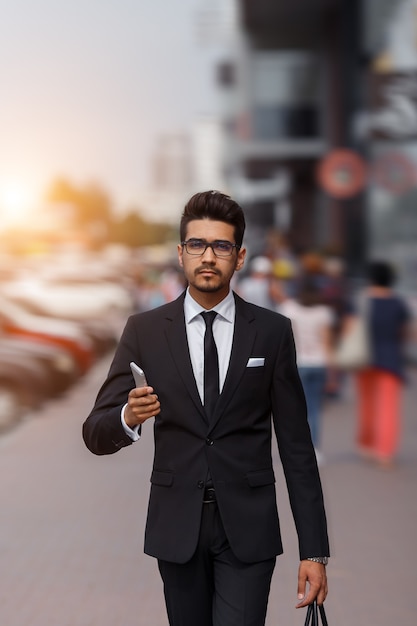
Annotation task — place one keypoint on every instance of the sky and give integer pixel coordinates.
(87, 85)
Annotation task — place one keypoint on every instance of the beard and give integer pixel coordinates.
(211, 283)
(208, 288)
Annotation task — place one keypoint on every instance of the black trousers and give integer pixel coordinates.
(214, 588)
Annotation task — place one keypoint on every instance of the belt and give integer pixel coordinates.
(209, 495)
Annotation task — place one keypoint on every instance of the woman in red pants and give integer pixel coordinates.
(379, 386)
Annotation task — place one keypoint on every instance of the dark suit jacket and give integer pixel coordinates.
(235, 446)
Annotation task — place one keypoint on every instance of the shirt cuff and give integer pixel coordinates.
(133, 433)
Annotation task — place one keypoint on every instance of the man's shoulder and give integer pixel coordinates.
(167, 310)
(255, 311)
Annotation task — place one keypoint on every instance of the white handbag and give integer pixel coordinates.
(353, 351)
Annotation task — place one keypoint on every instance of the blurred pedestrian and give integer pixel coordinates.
(311, 267)
(223, 372)
(284, 261)
(379, 386)
(256, 286)
(334, 288)
(147, 293)
(312, 323)
(283, 281)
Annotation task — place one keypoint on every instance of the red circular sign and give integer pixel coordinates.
(395, 172)
(342, 173)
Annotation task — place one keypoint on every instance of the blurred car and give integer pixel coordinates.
(102, 334)
(71, 298)
(15, 321)
(25, 374)
(97, 306)
(58, 362)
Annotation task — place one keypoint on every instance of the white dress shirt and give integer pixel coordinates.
(223, 329)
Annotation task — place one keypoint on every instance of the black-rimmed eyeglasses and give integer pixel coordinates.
(197, 247)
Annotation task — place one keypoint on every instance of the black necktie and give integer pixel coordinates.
(211, 365)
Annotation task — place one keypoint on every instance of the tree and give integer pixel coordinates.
(90, 210)
(90, 203)
(133, 231)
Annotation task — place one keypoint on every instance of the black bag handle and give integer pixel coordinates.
(312, 617)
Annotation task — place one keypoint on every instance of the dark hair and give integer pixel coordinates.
(309, 293)
(381, 274)
(214, 205)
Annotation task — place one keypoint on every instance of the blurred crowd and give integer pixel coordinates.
(313, 291)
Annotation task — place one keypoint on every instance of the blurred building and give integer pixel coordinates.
(172, 163)
(183, 164)
(387, 129)
(171, 178)
(207, 140)
(324, 86)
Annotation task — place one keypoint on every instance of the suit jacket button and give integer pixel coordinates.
(209, 441)
(200, 484)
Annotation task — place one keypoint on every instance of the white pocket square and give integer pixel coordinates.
(256, 362)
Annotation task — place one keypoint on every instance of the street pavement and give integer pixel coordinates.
(71, 525)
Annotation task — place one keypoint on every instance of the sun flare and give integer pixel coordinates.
(15, 202)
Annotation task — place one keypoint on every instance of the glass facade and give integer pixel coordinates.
(284, 92)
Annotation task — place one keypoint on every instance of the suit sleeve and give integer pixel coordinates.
(103, 432)
(297, 452)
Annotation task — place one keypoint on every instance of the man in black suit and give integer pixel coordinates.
(212, 518)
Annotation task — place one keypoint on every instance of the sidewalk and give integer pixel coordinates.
(71, 541)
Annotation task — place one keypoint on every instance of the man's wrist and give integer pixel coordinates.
(318, 559)
(133, 433)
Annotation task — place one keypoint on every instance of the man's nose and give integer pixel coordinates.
(208, 254)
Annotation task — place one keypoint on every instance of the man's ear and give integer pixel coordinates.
(180, 252)
(240, 259)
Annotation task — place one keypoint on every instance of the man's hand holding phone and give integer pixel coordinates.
(142, 403)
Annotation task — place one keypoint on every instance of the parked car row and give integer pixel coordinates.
(51, 333)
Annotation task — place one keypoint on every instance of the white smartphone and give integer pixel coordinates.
(138, 375)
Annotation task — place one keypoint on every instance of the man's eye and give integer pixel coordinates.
(196, 245)
(223, 246)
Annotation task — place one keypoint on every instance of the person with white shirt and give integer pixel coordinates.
(221, 373)
(312, 323)
(256, 287)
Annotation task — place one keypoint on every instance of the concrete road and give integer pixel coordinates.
(71, 526)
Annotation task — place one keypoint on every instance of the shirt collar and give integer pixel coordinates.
(225, 308)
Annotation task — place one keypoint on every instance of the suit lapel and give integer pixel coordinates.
(177, 340)
(243, 340)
